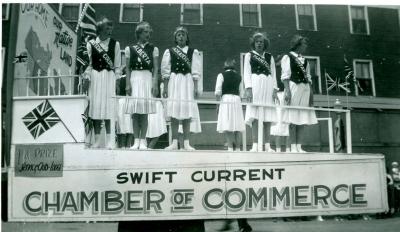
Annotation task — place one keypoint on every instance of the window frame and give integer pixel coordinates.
(318, 71)
(121, 9)
(371, 70)
(7, 15)
(314, 18)
(79, 11)
(183, 12)
(259, 15)
(351, 20)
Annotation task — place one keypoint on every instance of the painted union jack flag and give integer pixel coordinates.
(41, 119)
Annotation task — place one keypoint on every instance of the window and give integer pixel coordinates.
(305, 17)
(364, 75)
(358, 18)
(250, 15)
(5, 7)
(315, 72)
(192, 14)
(3, 58)
(70, 11)
(201, 80)
(131, 13)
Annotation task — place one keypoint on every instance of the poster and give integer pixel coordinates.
(45, 46)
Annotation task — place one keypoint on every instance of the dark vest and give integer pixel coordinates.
(297, 74)
(178, 65)
(231, 82)
(257, 68)
(98, 63)
(136, 64)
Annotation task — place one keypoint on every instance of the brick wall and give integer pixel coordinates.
(221, 36)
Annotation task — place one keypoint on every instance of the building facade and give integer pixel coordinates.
(366, 36)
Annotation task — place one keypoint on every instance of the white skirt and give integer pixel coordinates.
(141, 84)
(263, 88)
(230, 116)
(156, 122)
(102, 88)
(181, 87)
(280, 128)
(300, 97)
(124, 120)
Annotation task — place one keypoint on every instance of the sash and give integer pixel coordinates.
(300, 65)
(261, 60)
(142, 54)
(182, 56)
(102, 53)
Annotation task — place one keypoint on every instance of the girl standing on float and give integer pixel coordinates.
(157, 123)
(180, 70)
(298, 92)
(105, 61)
(142, 69)
(261, 88)
(230, 113)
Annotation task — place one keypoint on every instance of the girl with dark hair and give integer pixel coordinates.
(298, 92)
(105, 61)
(180, 70)
(261, 88)
(230, 113)
(142, 70)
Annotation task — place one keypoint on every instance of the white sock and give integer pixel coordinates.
(109, 143)
(136, 144)
(173, 145)
(143, 144)
(293, 148)
(278, 149)
(299, 149)
(186, 145)
(255, 147)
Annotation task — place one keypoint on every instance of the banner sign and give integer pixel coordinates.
(239, 187)
(45, 160)
(45, 46)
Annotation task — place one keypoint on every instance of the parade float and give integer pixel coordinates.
(55, 176)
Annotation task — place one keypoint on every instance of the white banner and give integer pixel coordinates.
(112, 185)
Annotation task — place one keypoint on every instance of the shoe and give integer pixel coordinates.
(245, 229)
(237, 149)
(143, 144)
(173, 145)
(278, 150)
(135, 144)
(298, 146)
(96, 143)
(268, 148)
(293, 148)
(226, 226)
(230, 148)
(366, 217)
(338, 219)
(187, 147)
(110, 143)
(254, 148)
(320, 219)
